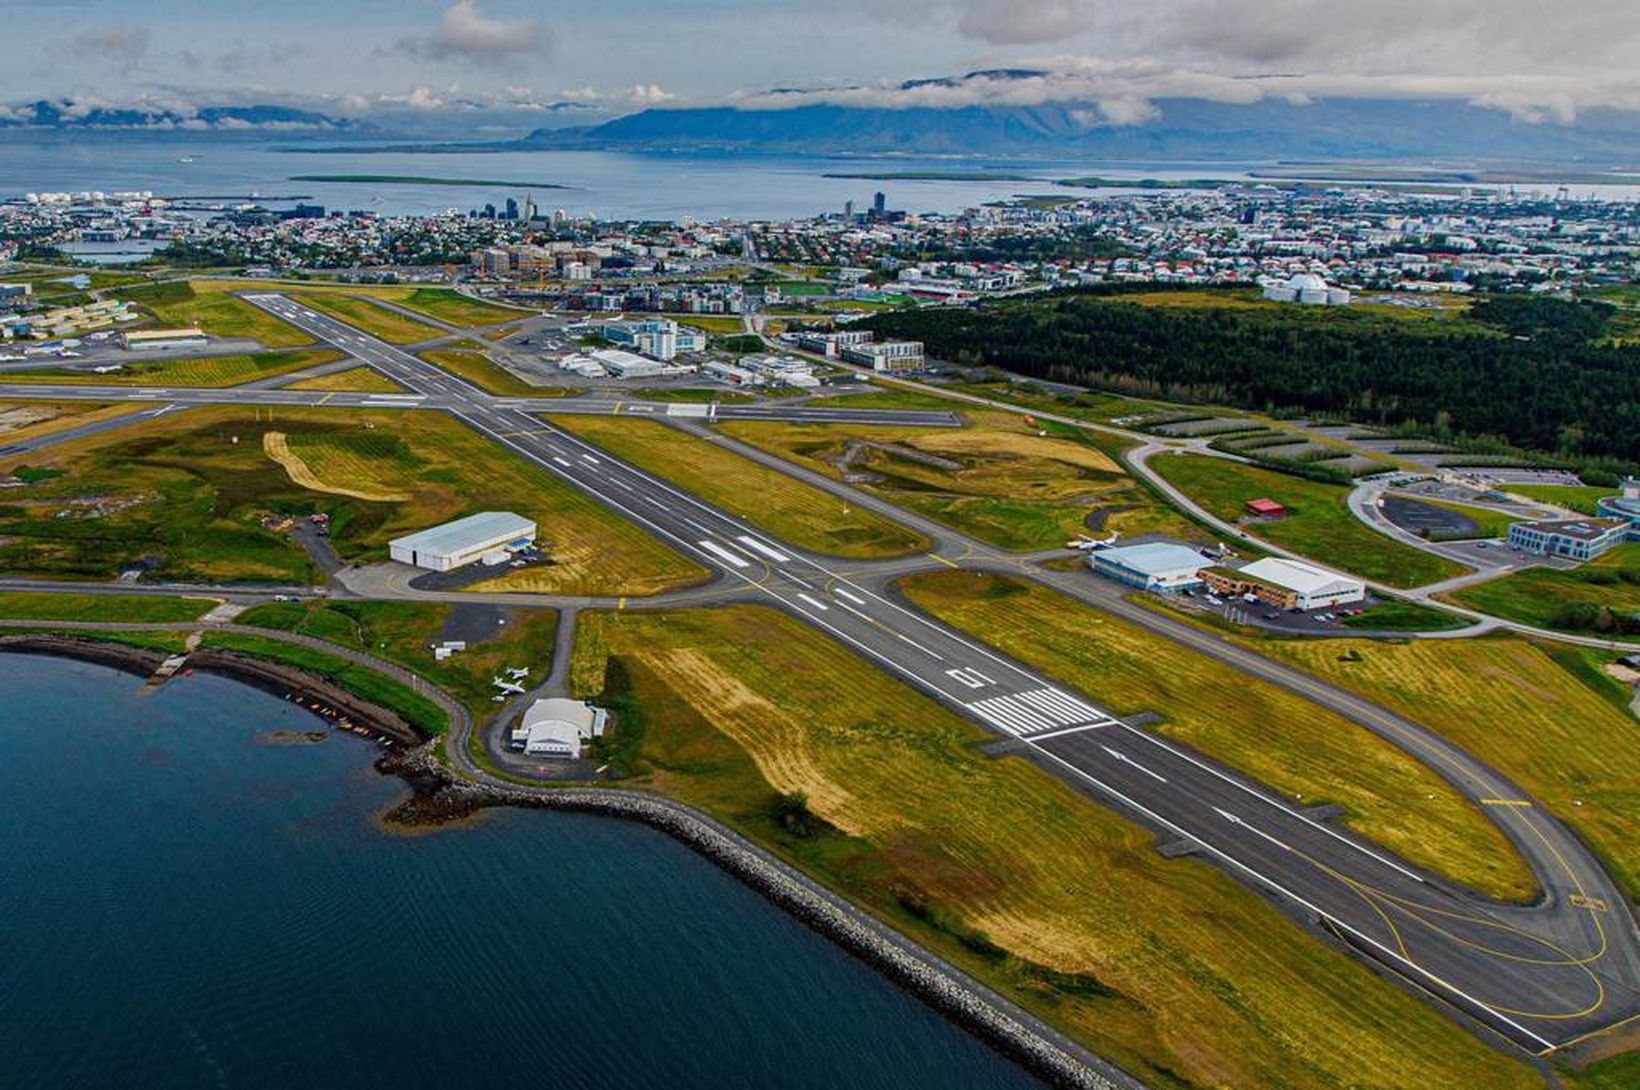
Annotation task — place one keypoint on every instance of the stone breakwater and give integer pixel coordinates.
(1036, 1046)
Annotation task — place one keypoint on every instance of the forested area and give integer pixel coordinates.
(1540, 373)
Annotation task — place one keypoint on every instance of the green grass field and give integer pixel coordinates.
(1580, 498)
(389, 325)
(404, 632)
(895, 397)
(450, 306)
(353, 380)
(191, 489)
(481, 371)
(1401, 616)
(787, 509)
(1169, 968)
(112, 608)
(366, 684)
(207, 305)
(1299, 748)
(1548, 598)
(1545, 716)
(995, 479)
(1318, 523)
(203, 371)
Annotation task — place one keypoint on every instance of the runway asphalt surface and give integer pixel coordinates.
(1541, 976)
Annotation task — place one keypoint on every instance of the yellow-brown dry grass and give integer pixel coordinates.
(1208, 984)
(338, 464)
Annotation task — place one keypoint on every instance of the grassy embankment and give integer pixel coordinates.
(1396, 615)
(1296, 747)
(361, 380)
(404, 632)
(781, 506)
(167, 643)
(891, 397)
(419, 711)
(191, 490)
(207, 305)
(1168, 967)
(996, 479)
(361, 313)
(1573, 600)
(102, 608)
(202, 371)
(1318, 523)
(1547, 716)
(484, 373)
(1579, 498)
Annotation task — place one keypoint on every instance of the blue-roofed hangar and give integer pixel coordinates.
(1157, 565)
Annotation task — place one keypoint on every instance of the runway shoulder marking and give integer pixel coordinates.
(1522, 803)
(725, 555)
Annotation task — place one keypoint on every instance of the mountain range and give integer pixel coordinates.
(67, 114)
(1179, 129)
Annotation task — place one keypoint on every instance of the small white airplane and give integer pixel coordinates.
(517, 673)
(1088, 544)
(507, 686)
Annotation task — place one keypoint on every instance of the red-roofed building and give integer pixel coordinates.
(1266, 509)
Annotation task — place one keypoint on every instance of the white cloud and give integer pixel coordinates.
(467, 34)
(649, 94)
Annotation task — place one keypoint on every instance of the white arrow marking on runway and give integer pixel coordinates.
(1234, 820)
(1125, 759)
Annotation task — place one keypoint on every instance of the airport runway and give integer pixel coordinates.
(437, 396)
(1541, 977)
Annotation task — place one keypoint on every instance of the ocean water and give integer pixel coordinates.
(185, 904)
(609, 185)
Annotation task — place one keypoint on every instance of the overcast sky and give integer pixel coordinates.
(1539, 59)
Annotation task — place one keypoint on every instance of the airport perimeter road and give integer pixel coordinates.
(1541, 977)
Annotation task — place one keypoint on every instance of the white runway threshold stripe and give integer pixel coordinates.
(1038, 713)
(725, 555)
(757, 546)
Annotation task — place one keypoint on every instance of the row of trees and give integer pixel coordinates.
(1539, 373)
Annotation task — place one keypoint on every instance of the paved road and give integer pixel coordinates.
(1542, 976)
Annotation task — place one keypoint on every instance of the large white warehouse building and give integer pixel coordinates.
(463, 541)
(1311, 587)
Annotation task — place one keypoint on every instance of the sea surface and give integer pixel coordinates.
(186, 904)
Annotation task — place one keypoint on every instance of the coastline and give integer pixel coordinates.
(440, 799)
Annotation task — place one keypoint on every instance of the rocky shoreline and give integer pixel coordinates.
(438, 798)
